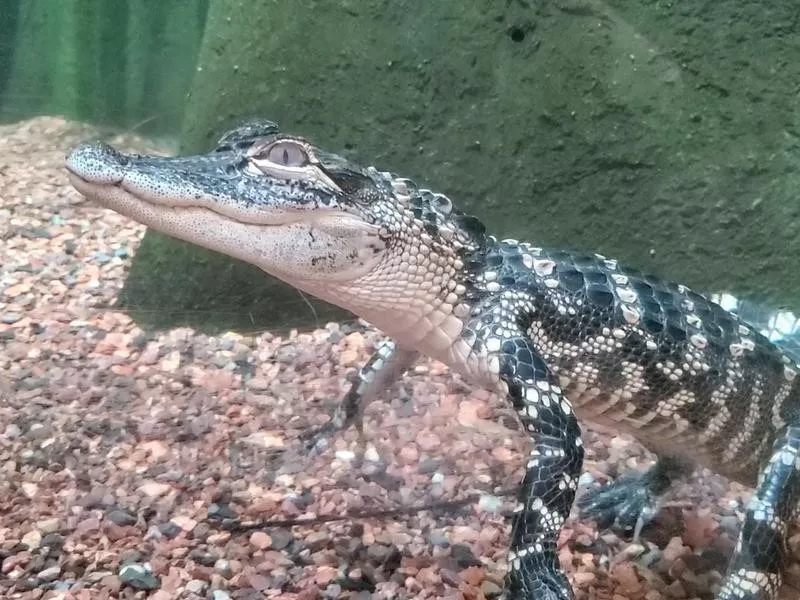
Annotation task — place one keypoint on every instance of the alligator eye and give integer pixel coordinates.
(287, 154)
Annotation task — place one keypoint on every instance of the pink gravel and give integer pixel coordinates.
(116, 444)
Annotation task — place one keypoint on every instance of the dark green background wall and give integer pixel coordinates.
(127, 63)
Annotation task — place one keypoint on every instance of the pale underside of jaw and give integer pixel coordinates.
(312, 247)
(193, 224)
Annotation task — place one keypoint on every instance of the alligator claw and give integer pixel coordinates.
(625, 505)
(630, 503)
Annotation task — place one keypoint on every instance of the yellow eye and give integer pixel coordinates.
(287, 154)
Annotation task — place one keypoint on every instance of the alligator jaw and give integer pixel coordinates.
(191, 224)
(183, 182)
(192, 199)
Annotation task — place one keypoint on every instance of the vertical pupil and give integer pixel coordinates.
(285, 156)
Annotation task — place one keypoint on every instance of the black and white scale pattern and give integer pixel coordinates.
(565, 336)
(660, 362)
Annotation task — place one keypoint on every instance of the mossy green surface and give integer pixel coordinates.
(660, 134)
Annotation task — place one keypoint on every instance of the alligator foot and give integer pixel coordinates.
(383, 369)
(631, 502)
(318, 440)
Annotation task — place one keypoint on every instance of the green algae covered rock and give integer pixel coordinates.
(647, 133)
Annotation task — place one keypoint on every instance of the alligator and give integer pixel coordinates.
(565, 336)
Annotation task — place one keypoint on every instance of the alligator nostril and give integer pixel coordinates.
(96, 163)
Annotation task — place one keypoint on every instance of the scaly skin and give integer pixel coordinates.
(563, 336)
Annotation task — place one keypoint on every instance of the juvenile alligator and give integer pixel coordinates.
(563, 335)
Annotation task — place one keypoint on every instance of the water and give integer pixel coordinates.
(121, 63)
(662, 133)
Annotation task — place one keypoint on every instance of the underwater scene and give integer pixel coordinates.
(387, 299)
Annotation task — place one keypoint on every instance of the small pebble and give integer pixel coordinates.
(48, 525)
(32, 539)
(52, 540)
(379, 553)
(196, 586)
(221, 511)
(464, 556)
(316, 540)
(428, 466)
(130, 555)
(490, 504)
(185, 523)
(223, 567)
(121, 517)
(202, 557)
(260, 540)
(154, 489)
(371, 454)
(50, 573)
(12, 431)
(138, 576)
(345, 455)
(490, 589)
(38, 431)
(281, 538)
(169, 529)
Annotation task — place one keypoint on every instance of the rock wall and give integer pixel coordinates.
(663, 134)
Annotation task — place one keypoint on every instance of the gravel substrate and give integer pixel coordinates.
(126, 455)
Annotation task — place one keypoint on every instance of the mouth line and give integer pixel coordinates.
(101, 193)
(74, 174)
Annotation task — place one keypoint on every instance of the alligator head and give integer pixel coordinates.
(357, 237)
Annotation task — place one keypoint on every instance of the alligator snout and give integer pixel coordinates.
(97, 163)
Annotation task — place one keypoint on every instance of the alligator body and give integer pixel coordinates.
(564, 336)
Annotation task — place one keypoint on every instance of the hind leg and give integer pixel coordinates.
(756, 570)
(631, 502)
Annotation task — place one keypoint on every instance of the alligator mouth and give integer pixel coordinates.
(115, 181)
(117, 197)
(171, 220)
(271, 228)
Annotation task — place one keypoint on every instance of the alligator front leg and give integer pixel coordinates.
(761, 552)
(387, 364)
(548, 488)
